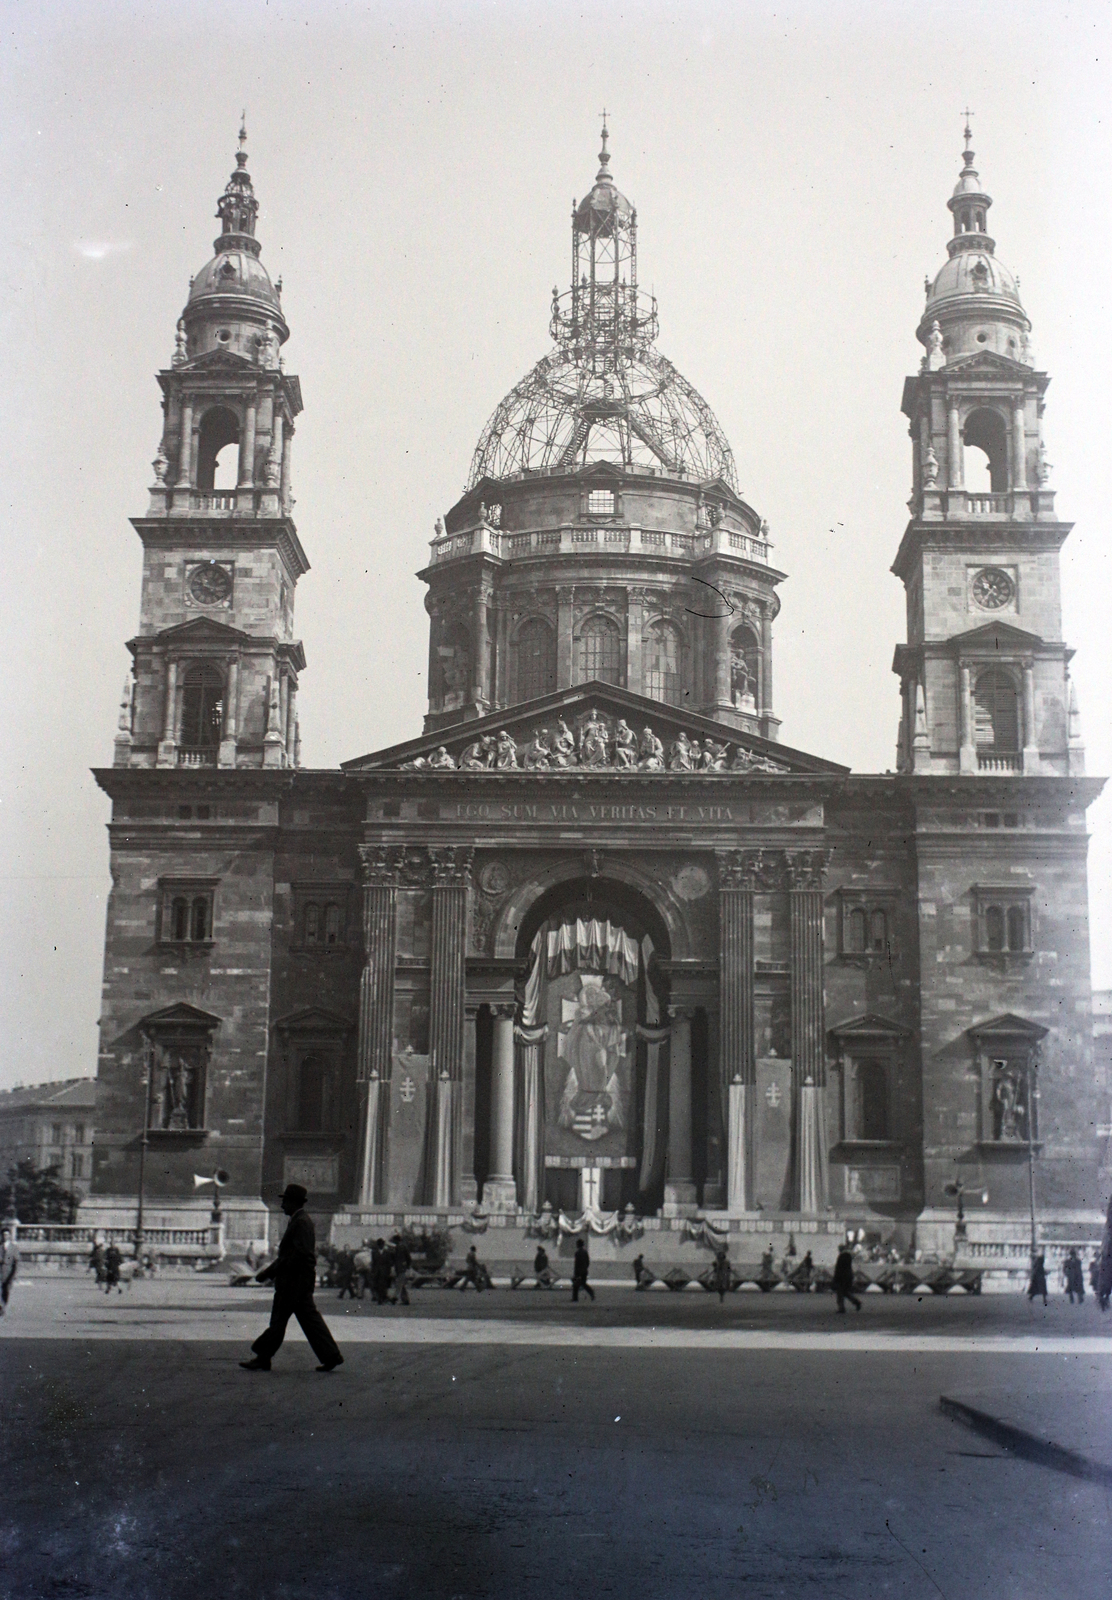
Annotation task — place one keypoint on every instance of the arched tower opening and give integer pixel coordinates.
(218, 450)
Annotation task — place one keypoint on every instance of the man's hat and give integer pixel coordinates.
(295, 1192)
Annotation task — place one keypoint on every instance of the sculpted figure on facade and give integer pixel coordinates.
(651, 752)
(478, 757)
(625, 745)
(714, 756)
(536, 752)
(594, 743)
(562, 745)
(680, 756)
(506, 754)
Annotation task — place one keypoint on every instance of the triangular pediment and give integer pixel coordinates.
(996, 636)
(202, 630)
(220, 361)
(181, 1015)
(1008, 1026)
(314, 1020)
(561, 725)
(869, 1026)
(986, 361)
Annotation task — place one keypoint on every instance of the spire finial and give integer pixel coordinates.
(967, 154)
(604, 154)
(241, 153)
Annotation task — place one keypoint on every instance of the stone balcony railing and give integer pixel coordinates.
(1000, 765)
(577, 538)
(55, 1241)
(197, 755)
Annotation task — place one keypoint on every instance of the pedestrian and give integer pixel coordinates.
(1094, 1275)
(543, 1275)
(1074, 1277)
(361, 1261)
(1037, 1282)
(721, 1274)
(380, 1273)
(293, 1273)
(1104, 1277)
(580, 1268)
(474, 1272)
(96, 1261)
(113, 1261)
(402, 1263)
(843, 1279)
(345, 1274)
(9, 1266)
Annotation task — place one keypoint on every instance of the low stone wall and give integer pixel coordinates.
(68, 1247)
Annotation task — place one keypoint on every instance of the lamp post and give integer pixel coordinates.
(1029, 1072)
(143, 1141)
(958, 1189)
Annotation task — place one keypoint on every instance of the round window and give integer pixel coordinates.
(224, 335)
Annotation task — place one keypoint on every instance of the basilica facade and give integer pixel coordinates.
(595, 943)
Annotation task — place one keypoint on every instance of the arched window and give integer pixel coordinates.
(315, 1093)
(996, 713)
(872, 1100)
(312, 923)
(332, 924)
(454, 660)
(199, 919)
(745, 655)
(534, 656)
(179, 920)
(202, 707)
(856, 928)
(600, 651)
(878, 931)
(986, 452)
(218, 450)
(994, 927)
(1017, 928)
(661, 660)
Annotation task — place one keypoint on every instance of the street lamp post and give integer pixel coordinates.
(143, 1142)
(1032, 1092)
(958, 1189)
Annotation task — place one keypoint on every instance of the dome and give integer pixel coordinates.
(605, 393)
(237, 272)
(972, 272)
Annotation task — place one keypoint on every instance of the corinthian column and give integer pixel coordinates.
(805, 871)
(451, 870)
(736, 880)
(679, 1186)
(376, 1011)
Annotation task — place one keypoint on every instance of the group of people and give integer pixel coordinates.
(106, 1263)
(382, 1268)
(1073, 1278)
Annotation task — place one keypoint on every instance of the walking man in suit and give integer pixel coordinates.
(293, 1272)
(580, 1268)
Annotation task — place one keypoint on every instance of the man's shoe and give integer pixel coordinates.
(255, 1366)
(330, 1366)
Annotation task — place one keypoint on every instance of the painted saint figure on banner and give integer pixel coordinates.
(595, 1046)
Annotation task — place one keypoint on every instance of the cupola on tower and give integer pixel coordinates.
(984, 672)
(602, 535)
(215, 661)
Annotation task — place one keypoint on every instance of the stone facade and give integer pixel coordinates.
(596, 941)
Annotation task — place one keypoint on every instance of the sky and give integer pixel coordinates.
(415, 166)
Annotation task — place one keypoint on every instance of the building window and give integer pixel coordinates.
(331, 924)
(202, 708)
(187, 912)
(996, 714)
(600, 651)
(534, 655)
(56, 1133)
(866, 927)
(218, 450)
(601, 503)
(77, 1165)
(312, 923)
(320, 916)
(872, 1099)
(661, 658)
(316, 1092)
(79, 1133)
(1003, 920)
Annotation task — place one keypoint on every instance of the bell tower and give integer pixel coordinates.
(215, 661)
(984, 673)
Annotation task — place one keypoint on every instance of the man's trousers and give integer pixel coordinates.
(299, 1303)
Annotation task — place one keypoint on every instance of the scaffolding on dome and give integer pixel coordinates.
(605, 393)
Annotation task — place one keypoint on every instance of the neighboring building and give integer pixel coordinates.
(596, 939)
(52, 1125)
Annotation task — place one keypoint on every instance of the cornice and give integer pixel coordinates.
(245, 533)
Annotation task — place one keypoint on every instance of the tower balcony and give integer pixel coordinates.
(606, 538)
(957, 505)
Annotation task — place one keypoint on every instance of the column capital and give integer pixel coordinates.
(682, 1012)
(805, 869)
(503, 1010)
(747, 870)
(451, 865)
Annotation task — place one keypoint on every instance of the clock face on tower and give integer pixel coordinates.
(992, 589)
(210, 584)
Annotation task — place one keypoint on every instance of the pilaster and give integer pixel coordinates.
(451, 867)
(805, 875)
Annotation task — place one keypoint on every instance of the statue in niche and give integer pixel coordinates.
(536, 752)
(1008, 1102)
(562, 746)
(651, 752)
(625, 745)
(478, 757)
(177, 1093)
(506, 755)
(594, 742)
(741, 681)
(680, 756)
